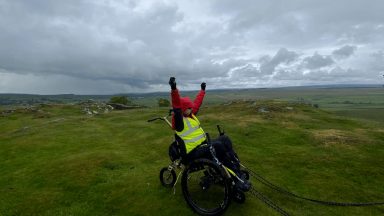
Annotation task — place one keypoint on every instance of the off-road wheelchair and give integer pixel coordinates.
(208, 186)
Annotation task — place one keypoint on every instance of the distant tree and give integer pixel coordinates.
(163, 102)
(120, 100)
(316, 105)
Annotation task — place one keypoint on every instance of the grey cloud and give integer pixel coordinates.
(337, 75)
(377, 62)
(344, 52)
(303, 23)
(266, 65)
(137, 47)
(138, 44)
(378, 55)
(59, 84)
(247, 71)
(282, 56)
(317, 61)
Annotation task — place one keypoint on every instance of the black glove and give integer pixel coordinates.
(203, 85)
(172, 83)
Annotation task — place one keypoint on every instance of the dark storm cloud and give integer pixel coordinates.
(282, 56)
(318, 61)
(344, 52)
(133, 45)
(58, 38)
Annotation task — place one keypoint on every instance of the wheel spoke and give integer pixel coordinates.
(204, 187)
(167, 177)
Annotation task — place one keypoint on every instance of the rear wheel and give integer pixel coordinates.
(205, 187)
(167, 177)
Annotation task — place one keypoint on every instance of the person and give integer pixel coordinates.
(193, 138)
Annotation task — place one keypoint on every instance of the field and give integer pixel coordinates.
(56, 160)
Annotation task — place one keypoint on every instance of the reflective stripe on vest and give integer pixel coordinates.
(192, 134)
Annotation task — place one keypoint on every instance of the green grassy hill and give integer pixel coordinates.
(55, 160)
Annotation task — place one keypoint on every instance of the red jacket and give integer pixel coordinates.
(180, 104)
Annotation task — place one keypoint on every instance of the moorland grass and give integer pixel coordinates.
(59, 161)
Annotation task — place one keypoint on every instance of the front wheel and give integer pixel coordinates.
(167, 177)
(205, 187)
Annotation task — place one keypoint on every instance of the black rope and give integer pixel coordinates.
(267, 201)
(284, 191)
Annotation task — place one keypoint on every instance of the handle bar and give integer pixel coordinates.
(161, 118)
(154, 119)
(221, 133)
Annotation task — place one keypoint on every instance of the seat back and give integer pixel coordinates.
(177, 150)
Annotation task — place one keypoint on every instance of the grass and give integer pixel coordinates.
(58, 161)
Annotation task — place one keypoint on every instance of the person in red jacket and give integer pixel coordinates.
(192, 136)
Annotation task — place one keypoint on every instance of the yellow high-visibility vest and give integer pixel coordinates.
(192, 134)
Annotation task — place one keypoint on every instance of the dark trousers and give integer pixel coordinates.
(224, 152)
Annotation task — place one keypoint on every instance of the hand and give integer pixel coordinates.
(172, 83)
(203, 85)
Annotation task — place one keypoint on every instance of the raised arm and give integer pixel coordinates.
(177, 119)
(199, 99)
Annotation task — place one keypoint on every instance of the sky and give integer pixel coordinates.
(132, 46)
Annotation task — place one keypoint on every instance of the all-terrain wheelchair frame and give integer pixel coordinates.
(208, 186)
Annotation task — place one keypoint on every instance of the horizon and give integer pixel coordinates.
(330, 86)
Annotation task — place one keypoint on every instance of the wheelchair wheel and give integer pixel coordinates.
(205, 187)
(167, 177)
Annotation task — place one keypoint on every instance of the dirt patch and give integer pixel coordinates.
(333, 137)
(248, 121)
(289, 125)
(299, 117)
